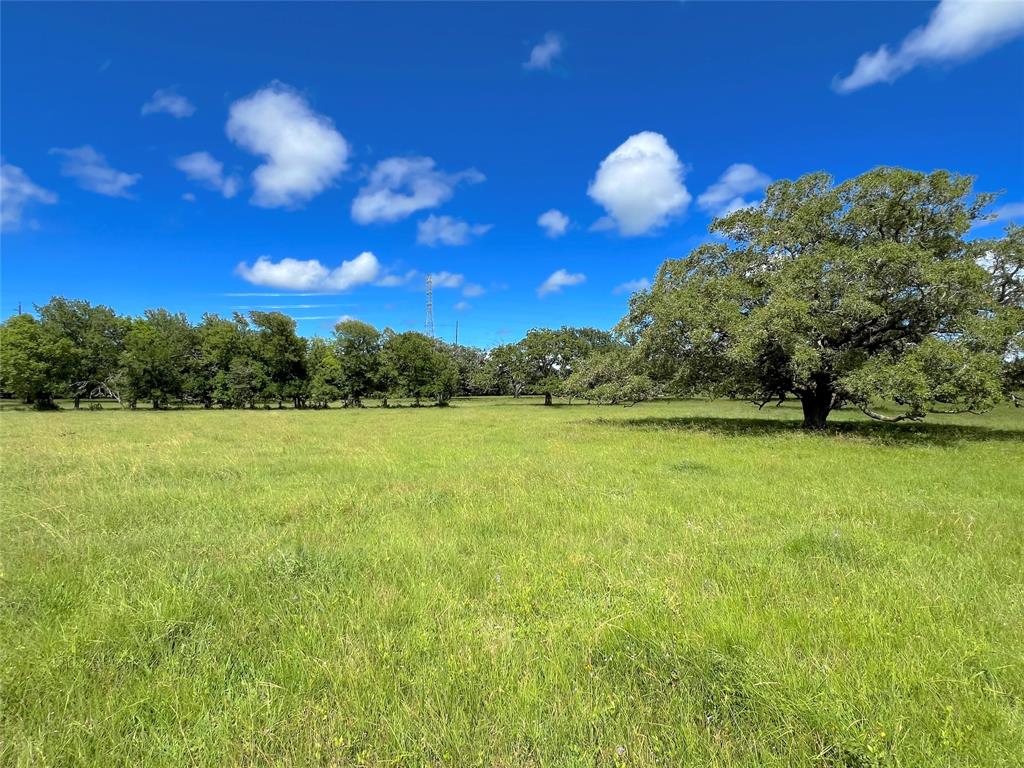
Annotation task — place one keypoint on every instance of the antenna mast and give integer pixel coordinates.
(430, 306)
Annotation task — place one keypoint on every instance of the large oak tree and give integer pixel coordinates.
(864, 292)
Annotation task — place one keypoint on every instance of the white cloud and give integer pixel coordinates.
(473, 290)
(1007, 212)
(400, 186)
(444, 230)
(727, 194)
(957, 30)
(168, 101)
(558, 280)
(188, 197)
(631, 286)
(544, 53)
(640, 185)
(393, 281)
(92, 172)
(310, 274)
(17, 191)
(446, 279)
(304, 153)
(553, 222)
(202, 167)
(462, 306)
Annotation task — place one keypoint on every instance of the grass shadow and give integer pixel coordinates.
(876, 432)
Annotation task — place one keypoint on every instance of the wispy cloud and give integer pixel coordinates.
(17, 192)
(956, 31)
(544, 53)
(559, 280)
(204, 168)
(632, 286)
(445, 230)
(92, 172)
(727, 194)
(401, 186)
(553, 222)
(167, 101)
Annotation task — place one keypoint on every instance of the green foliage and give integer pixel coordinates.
(283, 355)
(611, 376)
(96, 335)
(156, 357)
(325, 374)
(36, 362)
(357, 346)
(833, 293)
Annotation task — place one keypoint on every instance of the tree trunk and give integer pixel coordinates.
(78, 401)
(817, 405)
(547, 398)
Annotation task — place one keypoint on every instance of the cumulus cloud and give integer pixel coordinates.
(727, 194)
(310, 274)
(472, 290)
(92, 172)
(303, 151)
(956, 31)
(188, 197)
(400, 186)
(559, 280)
(444, 230)
(632, 286)
(204, 168)
(462, 306)
(640, 185)
(168, 101)
(17, 191)
(553, 222)
(544, 53)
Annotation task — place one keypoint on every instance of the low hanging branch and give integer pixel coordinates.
(891, 419)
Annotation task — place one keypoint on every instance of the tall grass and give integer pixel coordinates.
(503, 584)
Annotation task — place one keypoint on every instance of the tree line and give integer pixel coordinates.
(71, 349)
(865, 294)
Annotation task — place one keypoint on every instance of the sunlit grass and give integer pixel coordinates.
(503, 584)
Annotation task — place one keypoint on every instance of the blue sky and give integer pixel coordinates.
(233, 156)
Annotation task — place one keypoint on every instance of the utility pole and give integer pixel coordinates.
(456, 333)
(430, 306)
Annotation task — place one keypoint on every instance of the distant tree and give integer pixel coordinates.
(471, 363)
(510, 368)
(96, 335)
(610, 376)
(219, 342)
(247, 383)
(551, 355)
(325, 373)
(445, 379)
(851, 293)
(357, 346)
(36, 361)
(283, 354)
(156, 357)
(409, 358)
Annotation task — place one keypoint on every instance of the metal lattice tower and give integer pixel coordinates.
(430, 307)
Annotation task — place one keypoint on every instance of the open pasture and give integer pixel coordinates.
(503, 584)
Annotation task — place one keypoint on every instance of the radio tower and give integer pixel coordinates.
(430, 307)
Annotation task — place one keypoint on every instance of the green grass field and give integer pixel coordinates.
(503, 584)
